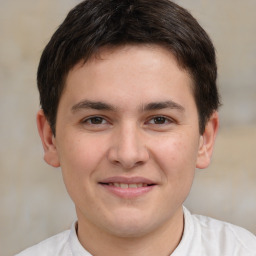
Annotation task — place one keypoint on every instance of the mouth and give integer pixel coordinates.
(127, 187)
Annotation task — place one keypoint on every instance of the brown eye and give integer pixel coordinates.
(159, 120)
(96, 120)
(160, 123)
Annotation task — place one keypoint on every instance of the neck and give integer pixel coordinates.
(162, 241)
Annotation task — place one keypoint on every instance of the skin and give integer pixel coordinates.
(109, 125)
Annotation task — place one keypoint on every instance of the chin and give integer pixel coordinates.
(130, 225)
(130, 230)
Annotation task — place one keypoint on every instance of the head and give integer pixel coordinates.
(129, 97)
(95, 24)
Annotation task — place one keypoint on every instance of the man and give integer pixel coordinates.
(129, 111)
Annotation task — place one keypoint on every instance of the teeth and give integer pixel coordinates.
(133, 186)
(123, 185)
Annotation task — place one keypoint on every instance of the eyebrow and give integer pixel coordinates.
(99, 105)
(87, 104)
(163, 105)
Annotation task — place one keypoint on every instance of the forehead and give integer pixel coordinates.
(139, 70)
(127, 51)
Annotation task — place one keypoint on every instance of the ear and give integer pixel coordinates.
(207, 141)
(48, 140)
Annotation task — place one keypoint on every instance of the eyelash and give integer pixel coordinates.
(89, 120)
(163, 120)
(166, 120)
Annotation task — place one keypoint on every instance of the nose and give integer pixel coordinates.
(128, 148)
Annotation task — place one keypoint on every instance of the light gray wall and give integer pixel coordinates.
(34, 203)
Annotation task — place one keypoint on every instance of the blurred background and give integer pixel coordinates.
(34, 202)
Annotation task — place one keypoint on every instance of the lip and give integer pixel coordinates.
(130, 192)
(127, 180)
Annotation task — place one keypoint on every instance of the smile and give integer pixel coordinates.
(125, 185)
(128, 187)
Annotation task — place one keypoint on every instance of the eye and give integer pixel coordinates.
(159, 120)
(95, 120)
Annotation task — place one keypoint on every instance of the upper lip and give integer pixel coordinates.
(127, 180)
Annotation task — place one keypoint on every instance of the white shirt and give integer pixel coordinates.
(202, 236)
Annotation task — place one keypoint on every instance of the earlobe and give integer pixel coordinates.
(207, 141)
(48, 140)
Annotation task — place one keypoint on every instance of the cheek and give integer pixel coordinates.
(177, 155)
(79, 160)
(79, 157)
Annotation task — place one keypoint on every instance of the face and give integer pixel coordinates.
(127, 139)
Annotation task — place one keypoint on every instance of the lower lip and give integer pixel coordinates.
(128, 192)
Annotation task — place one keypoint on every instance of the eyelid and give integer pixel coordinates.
(106, 121)
(169, 119)
(86, 119)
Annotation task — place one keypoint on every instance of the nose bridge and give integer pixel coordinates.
(128, 148)
(129, 139)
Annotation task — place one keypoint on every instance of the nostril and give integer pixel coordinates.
(115, 162)
(139, 163)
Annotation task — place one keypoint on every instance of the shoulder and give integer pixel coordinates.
(225, 237)
(50, 247)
